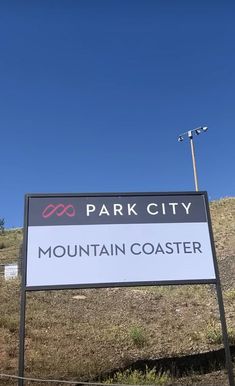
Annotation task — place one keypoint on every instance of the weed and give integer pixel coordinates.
(12, 351)
(230, 294)
(231, 335)
(214, 334)
(195, 336)
(136, 377)
(137, 335)
(10, 322)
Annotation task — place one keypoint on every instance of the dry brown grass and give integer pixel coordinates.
(73, 338)
(223, 223)
(9, 245)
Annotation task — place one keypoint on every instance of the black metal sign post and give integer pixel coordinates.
(22, 337)
(163, 214)
(23, 299)
(229, 365)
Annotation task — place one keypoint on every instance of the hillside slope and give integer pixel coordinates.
(81, 334)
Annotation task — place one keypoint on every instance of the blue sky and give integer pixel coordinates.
(93, 94)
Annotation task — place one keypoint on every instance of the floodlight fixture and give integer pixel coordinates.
(190, 134)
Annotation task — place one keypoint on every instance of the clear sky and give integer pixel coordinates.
(93, 94)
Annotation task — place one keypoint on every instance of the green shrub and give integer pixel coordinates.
(230, 294)
(137, 335)
(214, 334)
(136, 377)
(11, 323)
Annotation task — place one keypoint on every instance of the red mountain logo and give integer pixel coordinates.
(58, 210)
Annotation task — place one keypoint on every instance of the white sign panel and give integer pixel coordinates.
(108, 240)
(10, 271)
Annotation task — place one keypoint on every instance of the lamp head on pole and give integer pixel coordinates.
(191, 133)
(180, 138)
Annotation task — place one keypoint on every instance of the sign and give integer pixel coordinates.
(10, 271)
(123, 239)
(106, 240)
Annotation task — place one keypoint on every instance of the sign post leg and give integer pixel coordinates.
(229, 364)
(22, 337)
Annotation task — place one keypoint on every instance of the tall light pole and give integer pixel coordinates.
(190, 135)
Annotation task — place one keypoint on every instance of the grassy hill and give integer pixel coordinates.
(10, 243)
(85, 334)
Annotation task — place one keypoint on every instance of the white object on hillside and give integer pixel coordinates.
(11, 271)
